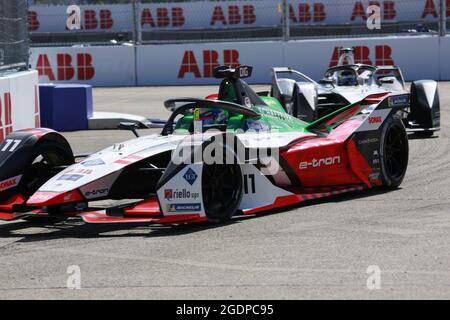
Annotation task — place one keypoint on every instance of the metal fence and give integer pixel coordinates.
(13, 35)
(52, 22)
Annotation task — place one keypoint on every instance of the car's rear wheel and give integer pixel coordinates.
(222, 191)
(394, 152)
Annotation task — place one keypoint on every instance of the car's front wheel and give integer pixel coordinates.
(222, 191)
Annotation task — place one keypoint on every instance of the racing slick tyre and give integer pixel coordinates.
(425, 108)
(222, 191)
(46, 157)
(394, 152)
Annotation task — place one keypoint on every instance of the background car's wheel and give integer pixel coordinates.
(222, 191)
(46, 157)
(394, 152)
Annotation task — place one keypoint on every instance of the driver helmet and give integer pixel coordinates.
(346, 78)
(210, 116)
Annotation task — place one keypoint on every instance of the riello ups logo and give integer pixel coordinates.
(6, 126)
(66, 66)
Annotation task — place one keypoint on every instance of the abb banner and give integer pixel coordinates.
(101, 66)
(194, 63)
(227, 14)
(19, 102)
(419, 58)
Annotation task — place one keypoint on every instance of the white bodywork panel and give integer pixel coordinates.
(258, 190)
(109, 161)
(183, 193)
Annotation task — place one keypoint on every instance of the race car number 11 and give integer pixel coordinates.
(10, 145)
(249, 181)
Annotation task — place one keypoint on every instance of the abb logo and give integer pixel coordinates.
(373, 120)
(389, 11)
(383, 56)
(6, 126)
(65, 68)
(236, 15)
(163, 19)
(308, 13)
(92, 19)
(432, 9)
(210, 59)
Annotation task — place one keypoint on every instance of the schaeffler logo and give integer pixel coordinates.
(316, 163)
(190, 176)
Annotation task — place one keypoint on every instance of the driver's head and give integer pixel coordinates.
(346, 78)
(210, 116)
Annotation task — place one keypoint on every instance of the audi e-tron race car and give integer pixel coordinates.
(263, 158)
(349, 82)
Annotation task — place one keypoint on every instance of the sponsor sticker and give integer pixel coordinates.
(41, 196)
(184, 207)
(399, 101)
(174, 194)
(10, 183)
(373, 120)
(71, 177)
(93, 162)
(96, 193)
(317, 163)
(190, 176)
(368, 141)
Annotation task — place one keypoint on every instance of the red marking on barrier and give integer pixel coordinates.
(308, 13)
(383, 55)
(210, 61)
(33, 22)
(236, 15)
(65, 68)
(163, 19)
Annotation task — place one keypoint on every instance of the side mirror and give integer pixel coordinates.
(130, 126)
(327, 82)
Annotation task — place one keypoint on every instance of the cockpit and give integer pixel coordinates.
(349, 75)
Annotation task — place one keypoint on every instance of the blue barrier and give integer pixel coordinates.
(65, 107)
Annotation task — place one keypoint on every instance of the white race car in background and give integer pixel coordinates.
(348, 83)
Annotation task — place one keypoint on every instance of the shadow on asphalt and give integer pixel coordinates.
(75, 228)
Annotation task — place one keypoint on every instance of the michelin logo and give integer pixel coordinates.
(184, 207)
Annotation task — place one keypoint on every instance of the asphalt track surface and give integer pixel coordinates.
(319, 250)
